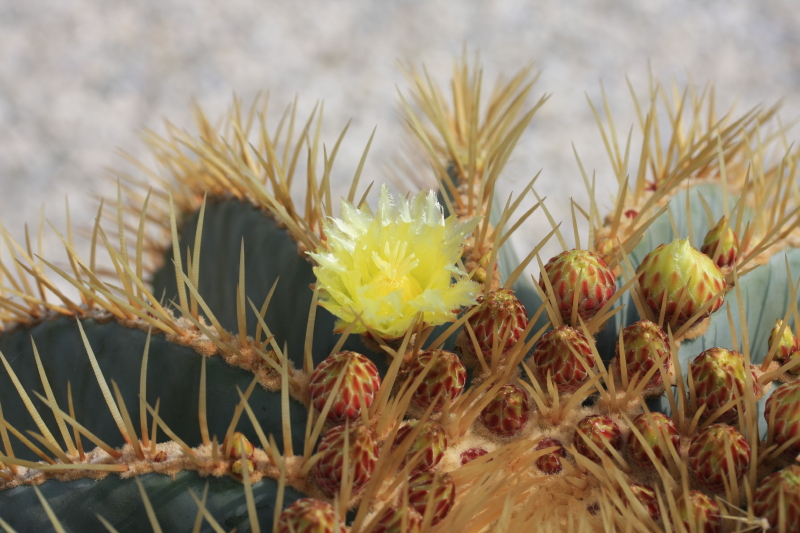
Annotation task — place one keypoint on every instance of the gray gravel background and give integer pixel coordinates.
(78, 78)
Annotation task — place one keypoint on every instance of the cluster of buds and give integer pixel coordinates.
(676, 282)
(358, 383)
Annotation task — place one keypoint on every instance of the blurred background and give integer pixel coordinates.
(80, 79)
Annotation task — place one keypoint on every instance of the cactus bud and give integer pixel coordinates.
(779, 495)
(362, 456)
(699, 510)
(237, 468)
(582, 271)
(310, 516)
(785, 401)
(421, 493)
(500, 315)
(647, 497)
(599, 430)
(708, 456)
(554, 355)
(471, 454)
(508, 413)
(392, 518)
(662, 427)
(723, 242)
(239, 444)
(431, 440)
(445, 379)
(677, 268)
(645, 344)
(360, 376)
(550, 463)
(718, 374)
(787, 345)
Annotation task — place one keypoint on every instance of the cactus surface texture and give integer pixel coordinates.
(255, 359)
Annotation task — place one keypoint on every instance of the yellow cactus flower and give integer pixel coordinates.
(389, 266)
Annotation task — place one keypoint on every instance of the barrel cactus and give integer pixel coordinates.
(256, 359)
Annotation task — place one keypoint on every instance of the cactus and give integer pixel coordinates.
(191, 384)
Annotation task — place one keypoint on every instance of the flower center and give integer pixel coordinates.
(394, 272)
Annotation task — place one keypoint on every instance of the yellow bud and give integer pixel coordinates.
(237, 469)
(240, 443)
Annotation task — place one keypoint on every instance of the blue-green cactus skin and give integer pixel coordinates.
(118, 501)
(174, 376)
(270, 253)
